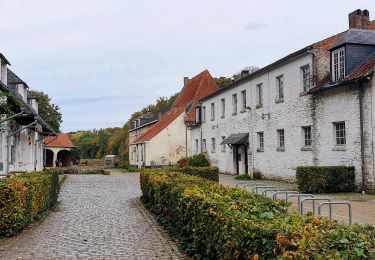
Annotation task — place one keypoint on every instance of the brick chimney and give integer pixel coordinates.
(360, 19)
(186, 79)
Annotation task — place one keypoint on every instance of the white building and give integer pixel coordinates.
(312, 107)
(21, 138)
(168, 140)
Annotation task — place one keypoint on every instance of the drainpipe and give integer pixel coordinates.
(36, 161)
(7, 140)
(360, 89)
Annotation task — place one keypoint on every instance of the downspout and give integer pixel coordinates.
(37, 141)
(360, 90)
(7, 140)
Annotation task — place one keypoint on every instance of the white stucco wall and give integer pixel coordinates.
(167, 147)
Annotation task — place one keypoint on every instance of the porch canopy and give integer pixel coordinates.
(237, 139)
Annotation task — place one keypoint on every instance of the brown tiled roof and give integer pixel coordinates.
(363, 70)
(61, 140)
(195, 89)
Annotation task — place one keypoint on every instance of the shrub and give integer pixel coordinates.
(198, 160)
(209, 173)
(216, 222)
(243, 177)
(132, 169)
(321, 179)
(88, 171)
(24, 198)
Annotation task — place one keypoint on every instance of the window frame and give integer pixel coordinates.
(280, 139)
(204, 114)
(306, 78)
(260, 137)
(222, 107)
(223, 146)
(337, 131)
(196, 146)
(212, 111)
(234, 104)
(259, 89)
(307, 142)
(204, 145)
(338, 73)
(280, 90)
(243, 100)
(213, 145)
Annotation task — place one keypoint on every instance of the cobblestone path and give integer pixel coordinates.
(99, 217)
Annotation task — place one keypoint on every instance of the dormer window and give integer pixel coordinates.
(338, 64)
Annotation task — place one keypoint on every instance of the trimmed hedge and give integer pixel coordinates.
(216, 222)
(322, 179)
(25, 198)
(209, 173)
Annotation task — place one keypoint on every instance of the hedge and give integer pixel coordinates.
(209, 173)
(216, 222)
(25, 198)
(322, 179)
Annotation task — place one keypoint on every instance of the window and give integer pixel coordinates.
(212, 111)
(260, 141)
(243, 97)
(340, 133)
(259, 95)
(223, 146)
(141, 153)
(137, 154)
(234, 102)
(338, 64)
(204, 146)
(196, 146)
(223, 107)
(280, 88)
(307, 137)
(203, 114)
(198, 114)
(281, 139)
(213, 145)
(305, 73)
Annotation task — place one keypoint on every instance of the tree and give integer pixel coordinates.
(49, 111)
(222, 82)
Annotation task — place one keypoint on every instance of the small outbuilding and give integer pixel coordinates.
(111, 161)
(58, 148)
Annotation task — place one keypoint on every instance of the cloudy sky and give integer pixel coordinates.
(102, 60)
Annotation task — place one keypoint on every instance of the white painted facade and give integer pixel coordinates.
(166, 148)
(297, 110)
(20, 151)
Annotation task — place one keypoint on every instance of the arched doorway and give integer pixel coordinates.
(65, 157)
(49, 158)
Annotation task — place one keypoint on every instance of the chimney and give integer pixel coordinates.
(186, 79)
(244, 73)
(359, 19)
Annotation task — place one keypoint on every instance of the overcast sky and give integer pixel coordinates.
(102, 60)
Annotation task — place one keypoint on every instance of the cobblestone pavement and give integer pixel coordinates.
(99, 217)
(363, 211)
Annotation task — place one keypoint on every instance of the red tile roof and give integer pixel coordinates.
(196, 88)
(61, 140)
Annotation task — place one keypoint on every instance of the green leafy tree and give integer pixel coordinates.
(223, 82)
(49, 111)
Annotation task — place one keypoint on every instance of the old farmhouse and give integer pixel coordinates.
(22, 128)
(168, 140)
(312, 107)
